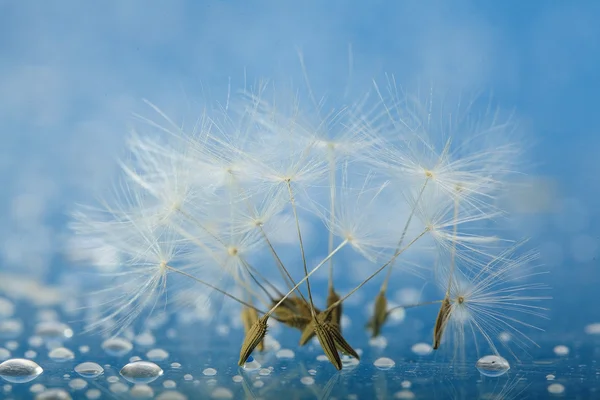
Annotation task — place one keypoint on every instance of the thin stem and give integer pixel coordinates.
(376, 272)
(293, 203)
(315, 269)
(453, 251)
(425, 303)
(332, 211)
(384, 286)
(178, 271)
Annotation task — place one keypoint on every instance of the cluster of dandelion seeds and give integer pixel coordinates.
(227, 206)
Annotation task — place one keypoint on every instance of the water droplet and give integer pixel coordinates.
(7, 308)
(593, 329)
(117, 346)
(237, 378)
(188, 377)
(258, 384)
(221, 393)
(175, 365)
(384, 363)
(550, 377)
(12, 345)
(112, 379)
(379, 342)
(53, 331)
(141, 372)
(252, 365)
(118, 387)
(349, 362)
(169, 384)
(84, 349)
(53, 394)
(145, 339)
(561, 350)
(89, 370)
(404, 394)
(157, 355)
(307, 380)
(422, 349)
(492, 366)
(93, 394)
(30, 354)
(556, 388)
(142, 391)
(406, 384)
(285, 353)
(264, 372)
(4, 354)
(10, 328)
(171, 395)
(322, 358)
(77, 384)
(209, 372)
(61, 354)
(37, 388)
(19, 370)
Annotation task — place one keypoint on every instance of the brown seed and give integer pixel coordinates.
(253, 338)
(341, 343)
(307, 333)
(440, 322)
(328, 345)
(380, 315)
(336, 312)
(249, 317)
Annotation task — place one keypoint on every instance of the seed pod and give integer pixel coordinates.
(336, 312)
(307, 333)
(249, 317)
(380, 314)
(340, 343)
(440, 322)
(253, 338)
(328, 345)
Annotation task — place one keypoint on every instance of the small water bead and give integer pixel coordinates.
(35, 341)
(264, 372)
(406, 384)
(112, 379)
(209, 372)
(422, 349)
(141, 372)
(84, 349)
(61, 354)
(117, 346)
(221, 393)
(504, 337)
(118, 387)
(349, 362)
(169, 384)
(10, 328)
(285, 353)
(175, 365)
(561, 350)
(322, 358)
(4, 354)
(19, 370)
(492, 366)
(171, 395)
(12, 345)
(53, 394)
(556, 388)
(384, 363)
(550, 377)
(145, 339)
(188, 377)
(379, 342)
(77, 384)
(93, 394)
(53, 331)
(313, 372)
(30, 354)
(141, 391)
(258, 384)
(136, 358)
(67, 376)
(157, 355)
(251, 365)
(404, 394)
(7, 388)
(307, 380)
(89, 370)
(37, 388)
(593, 329)
(237, 378)
(7, 308)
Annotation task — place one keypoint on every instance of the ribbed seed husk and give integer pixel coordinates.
(440, 322)
(249, 317)
(253, 338)
(340, 343)
(380, 314)
(336, 312)
(328, 345)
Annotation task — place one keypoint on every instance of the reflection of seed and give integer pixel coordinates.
(492, 366)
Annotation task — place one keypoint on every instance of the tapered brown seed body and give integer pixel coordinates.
(294, 312)
(253, 338)
(380, 315)
(328, 345)
(249, 317)
(440, 322)
(336, 312)
(340, 343)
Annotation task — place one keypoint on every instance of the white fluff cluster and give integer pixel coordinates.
(216, 205)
